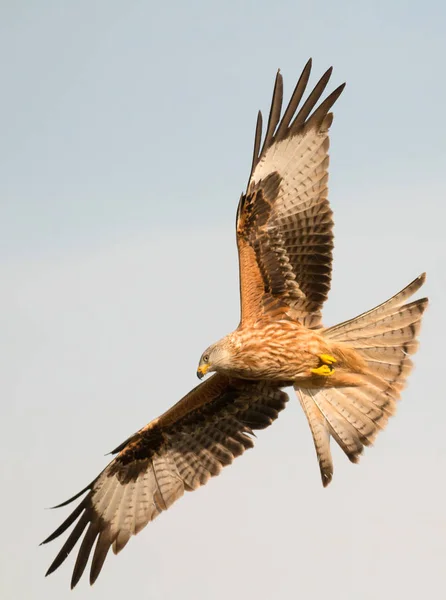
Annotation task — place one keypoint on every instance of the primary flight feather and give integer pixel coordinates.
(347, 377)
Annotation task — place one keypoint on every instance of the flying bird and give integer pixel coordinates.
(348, 378)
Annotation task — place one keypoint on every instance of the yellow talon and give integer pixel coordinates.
(327, 359)
(324, 370)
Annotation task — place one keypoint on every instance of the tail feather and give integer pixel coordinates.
(391, 373)
(371, 317)
(389, 355)
(321, 434)
(383, 338)
(398, 324)
(345, 433)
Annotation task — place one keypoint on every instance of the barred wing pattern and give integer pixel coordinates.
(284, 222)
(177, 452)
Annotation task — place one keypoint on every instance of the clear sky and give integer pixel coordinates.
(126, 139)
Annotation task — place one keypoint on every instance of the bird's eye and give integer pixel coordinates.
(206, 358)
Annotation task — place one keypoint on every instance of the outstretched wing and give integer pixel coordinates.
(178, 451)
(284, 222)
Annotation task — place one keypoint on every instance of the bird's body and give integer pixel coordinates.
(348, 377)
(279, 350)
(283, 351)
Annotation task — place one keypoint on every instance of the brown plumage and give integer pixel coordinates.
(176, 452)
(284, 222)
(348, 377)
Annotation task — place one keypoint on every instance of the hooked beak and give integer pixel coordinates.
(202, 370)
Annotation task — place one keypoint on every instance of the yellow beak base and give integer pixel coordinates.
(202, 370)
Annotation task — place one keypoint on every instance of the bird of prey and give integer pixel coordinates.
(348, 378)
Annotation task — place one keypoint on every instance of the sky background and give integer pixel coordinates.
(126, 140)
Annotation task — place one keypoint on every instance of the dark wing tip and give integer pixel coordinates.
(310, 103)
(338, 91)
(321, 112)
(70, 542)
(100, 554)
(73, 498)
(257, 141)
(278, 129)
(274, 113)
(68, 521)
(85, 551)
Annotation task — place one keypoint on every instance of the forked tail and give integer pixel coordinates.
(384, 337)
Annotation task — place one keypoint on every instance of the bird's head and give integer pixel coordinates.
(216, 357)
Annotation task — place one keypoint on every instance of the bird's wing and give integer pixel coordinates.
(179, 451)
(284, 221)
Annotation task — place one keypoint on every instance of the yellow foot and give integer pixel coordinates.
(327, 359)
(324, 370)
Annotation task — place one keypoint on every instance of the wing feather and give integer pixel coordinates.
(181, 450)
(257, 142)
(276, 108)
(310, 102)
(100, 554)
(294, 102)
(284, 217)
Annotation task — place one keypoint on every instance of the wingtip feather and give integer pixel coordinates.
(73, 498)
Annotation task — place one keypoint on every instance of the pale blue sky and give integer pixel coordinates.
(126, 139)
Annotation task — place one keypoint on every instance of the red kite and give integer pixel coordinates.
(347, 377)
